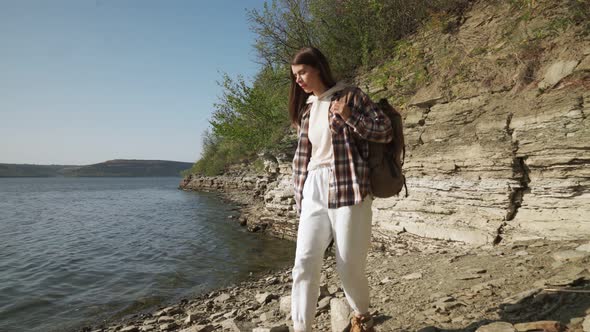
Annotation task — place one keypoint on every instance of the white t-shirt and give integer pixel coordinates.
(319, 133)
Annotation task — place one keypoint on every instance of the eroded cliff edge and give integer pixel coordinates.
(497, 138)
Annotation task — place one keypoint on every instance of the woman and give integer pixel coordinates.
(334, 122)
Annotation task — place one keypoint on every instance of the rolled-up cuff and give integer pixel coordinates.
(337, 123)
(353, 119)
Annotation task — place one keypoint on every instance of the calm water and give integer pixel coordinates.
(74, 250)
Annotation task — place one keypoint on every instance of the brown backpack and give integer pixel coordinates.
(386, 159)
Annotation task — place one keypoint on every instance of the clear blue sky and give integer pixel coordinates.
(84, 81)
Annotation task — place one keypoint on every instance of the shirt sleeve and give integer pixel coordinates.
(366, 119)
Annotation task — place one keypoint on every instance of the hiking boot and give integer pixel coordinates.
(361, 324)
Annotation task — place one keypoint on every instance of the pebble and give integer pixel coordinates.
(477, 270)
(230, 314)
(584, 247)
(168, 326)
(266, 316)
(468, 276)
(263, 297)
(412, 276)
(332, 289)
(230, 325)
(285, 304)
(384, 280)
(446, 306)
(280, 328)
(545, 326)
(199, 328)
(131, 328)
(569, 255)
(497, 327)
(216, 315)
(222, 298)
(191, 318)
(324, 303)
(339, 312)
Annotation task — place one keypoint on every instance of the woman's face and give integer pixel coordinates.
(308, 78)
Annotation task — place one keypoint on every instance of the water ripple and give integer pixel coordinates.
(72, 249)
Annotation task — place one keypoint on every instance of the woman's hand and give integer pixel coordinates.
(341, 107)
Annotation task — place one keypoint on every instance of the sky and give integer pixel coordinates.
(85, 81)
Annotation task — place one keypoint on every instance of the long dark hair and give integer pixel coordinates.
(310, 56)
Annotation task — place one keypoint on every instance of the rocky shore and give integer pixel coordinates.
(422, 285)
(494, 235)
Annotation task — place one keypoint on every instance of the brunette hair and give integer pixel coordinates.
(310, 56)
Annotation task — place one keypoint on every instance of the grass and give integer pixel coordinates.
(403, 74)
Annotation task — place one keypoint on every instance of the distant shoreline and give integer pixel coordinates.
(109, 168)
(91, 176)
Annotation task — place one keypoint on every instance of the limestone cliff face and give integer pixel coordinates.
(498, 141)
(501, 151)
(496, 165)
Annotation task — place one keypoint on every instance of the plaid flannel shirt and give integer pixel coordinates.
(349, 182)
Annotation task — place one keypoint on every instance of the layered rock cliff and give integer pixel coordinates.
(497, 136)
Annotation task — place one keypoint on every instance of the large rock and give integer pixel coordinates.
(497, 327)
(545, 326)
(278, 328)
(230, 325)
(556, 72)
(285, 304)
(584, 247)
(263, 297)
(339, 314)
(570, 255)
(222, 298)
(199, 328)
(130, 329)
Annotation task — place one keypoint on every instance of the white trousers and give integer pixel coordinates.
(350, 227)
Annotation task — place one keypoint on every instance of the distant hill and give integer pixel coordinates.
(116, 167)
(30, 170)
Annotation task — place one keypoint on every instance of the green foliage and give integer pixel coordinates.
(281, 28)
(354, 34)
(251, 115)
(521, 4)
(404, 73)
(217, 153)
(258, 165)
(246, 119)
